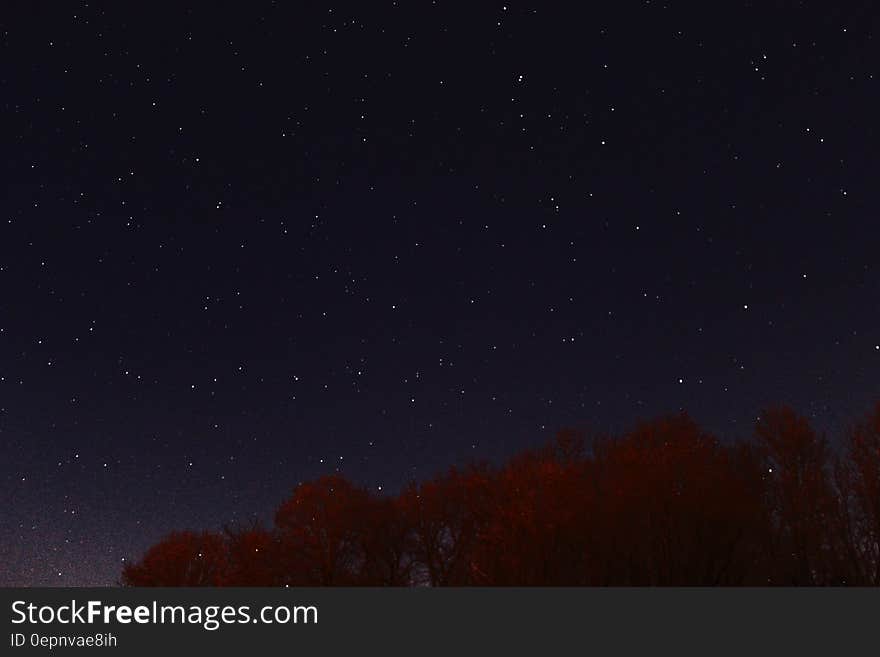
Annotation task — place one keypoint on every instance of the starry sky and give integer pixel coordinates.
(245, 245)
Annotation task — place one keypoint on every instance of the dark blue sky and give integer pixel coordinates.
(243, 247)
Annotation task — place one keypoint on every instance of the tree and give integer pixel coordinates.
(180, 559)
(320, 531)
(664, 504)
(538, 530)
(800, 499)
(858, 478)
(447, 514)
(386, 542)
(253, 558)
(671, 508)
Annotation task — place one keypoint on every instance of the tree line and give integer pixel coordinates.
(663, 504)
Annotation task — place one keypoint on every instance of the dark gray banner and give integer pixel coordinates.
(459, 621)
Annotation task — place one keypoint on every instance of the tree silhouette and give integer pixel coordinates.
(800, 498)
(253, 558)
(858, 478)
(386, 543)
(320, 533)
(672, 509)
(663, 504)
(536, 533)
(181, 559)
(446, 515)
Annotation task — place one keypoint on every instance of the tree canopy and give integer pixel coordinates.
(663, 504)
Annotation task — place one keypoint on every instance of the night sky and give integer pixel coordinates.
(244, 246)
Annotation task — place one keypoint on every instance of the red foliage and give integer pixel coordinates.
(180, 559)
(665, 504)
(319, 532)
(858, 478)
